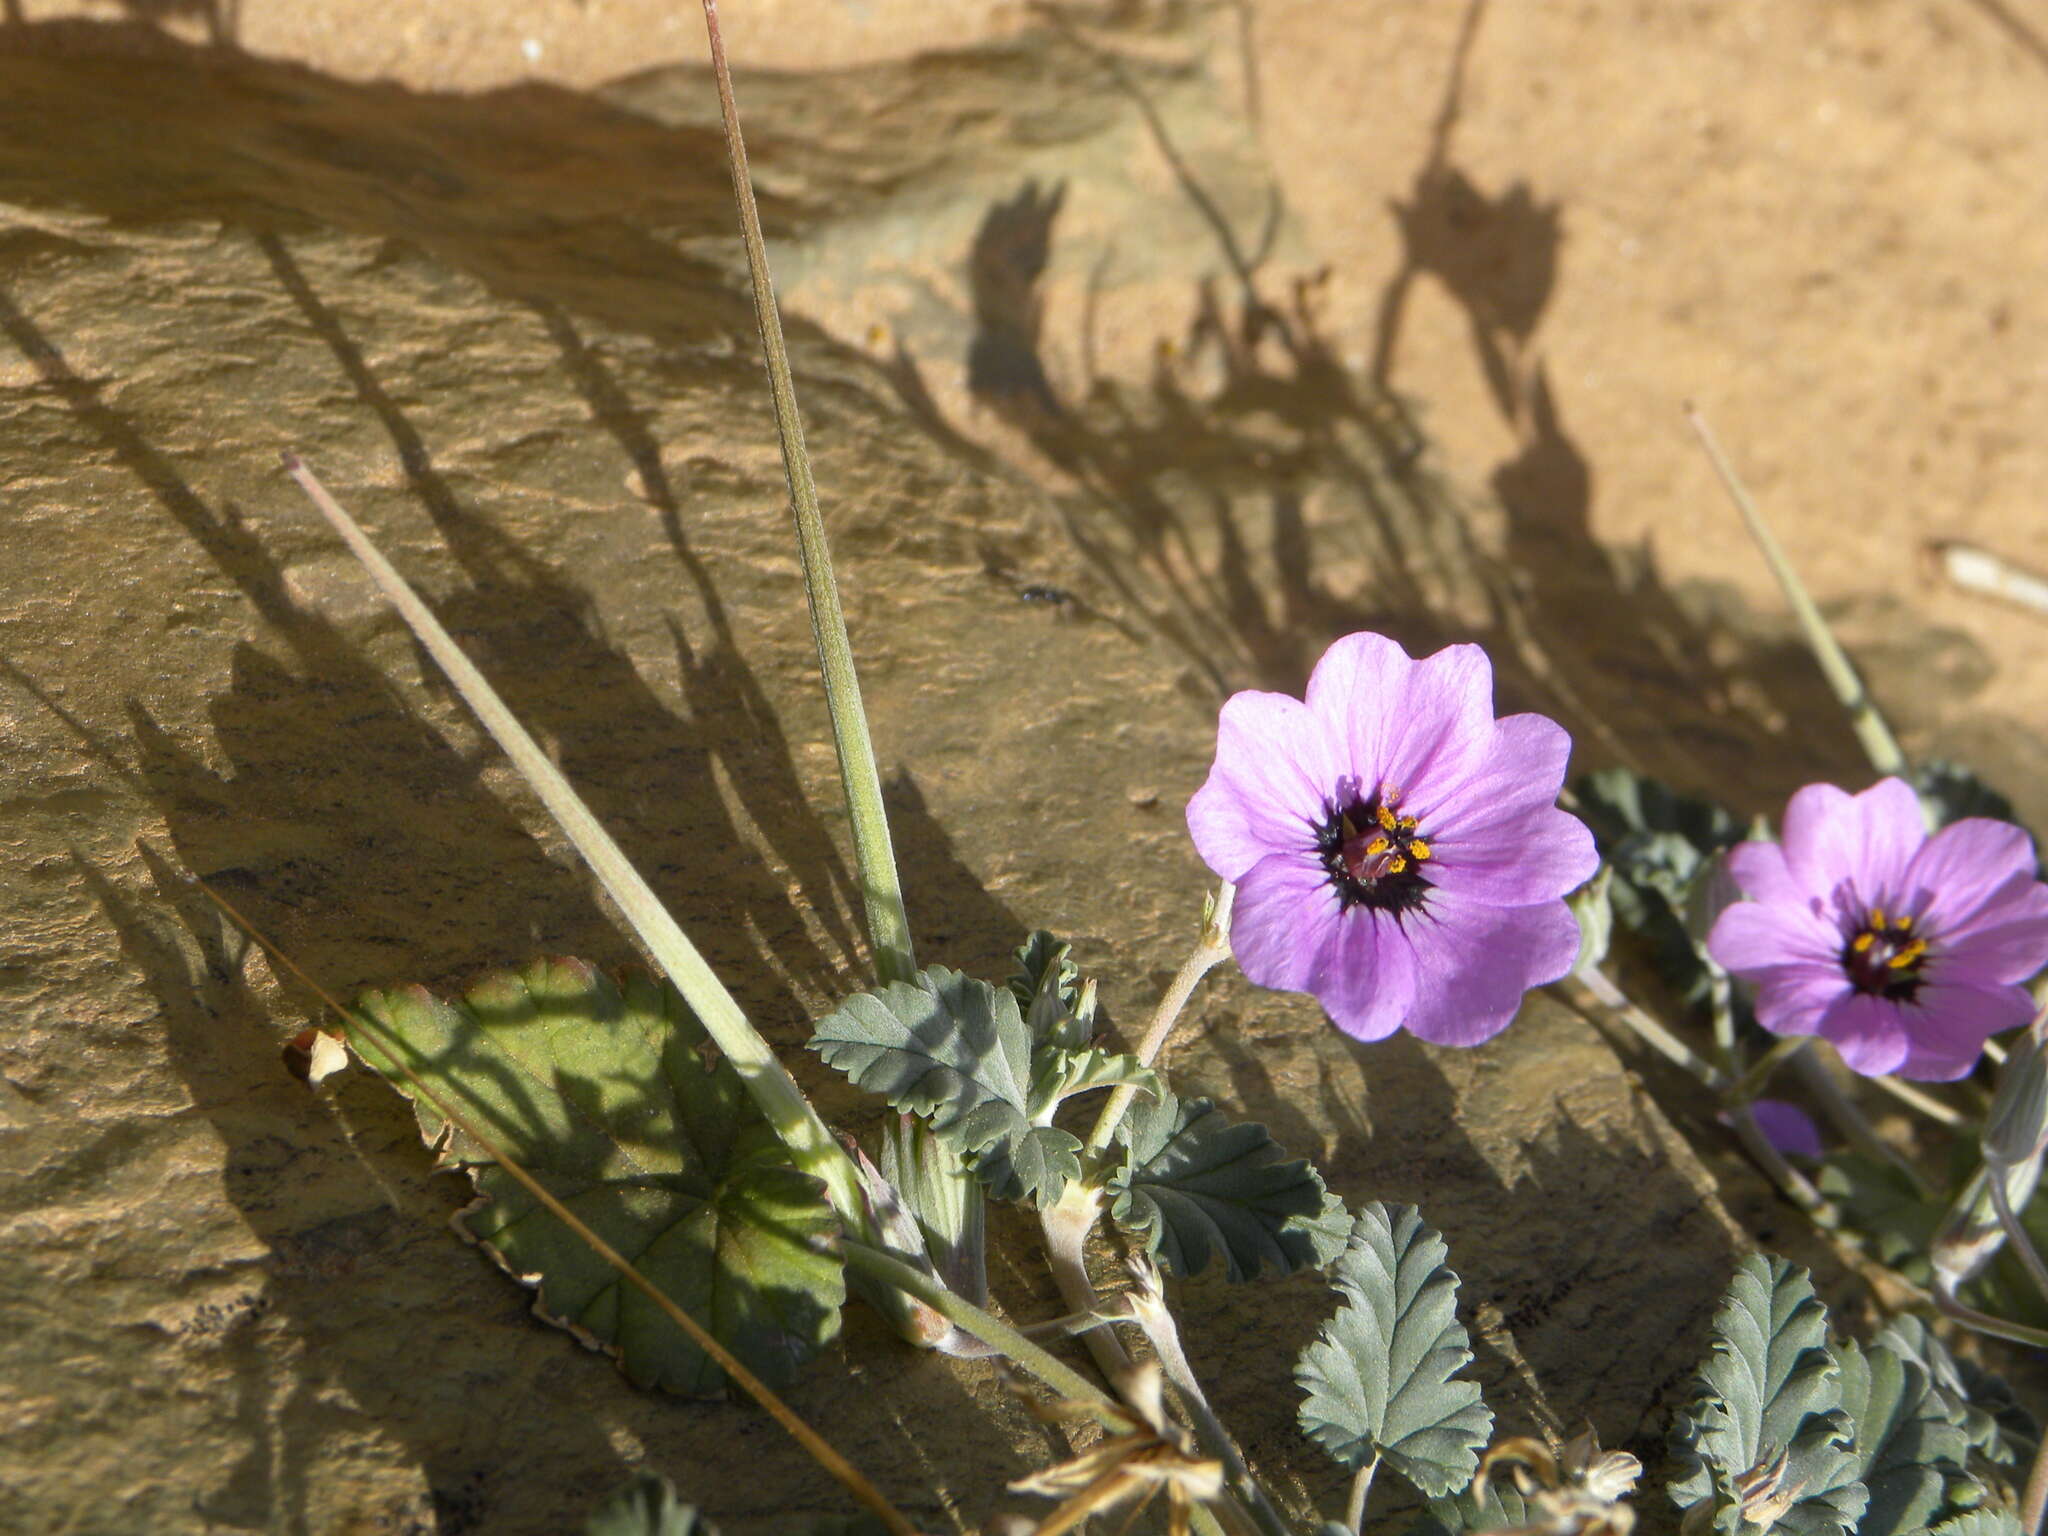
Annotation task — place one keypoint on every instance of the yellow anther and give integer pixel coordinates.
(1386, 818)
(1408, 823)
(1376, 847)
(1910, 955)
(1903, 923)
(1877, 918)
(1863, 941)
(1419, 849)
(1396, 864)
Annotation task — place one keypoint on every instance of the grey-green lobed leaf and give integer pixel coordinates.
(1770, 1387)
(1503, 1509)
(647, 1506)
(1060, 1074)
(1907, 1445)
(606, 1092)
(1911, 1338)
(1382, 1376)
(958, 1052)
(1989, 1521)
(1047, 987)
(1194, 1186)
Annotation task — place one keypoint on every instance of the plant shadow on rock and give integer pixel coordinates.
(1257, 496)
(356, 835)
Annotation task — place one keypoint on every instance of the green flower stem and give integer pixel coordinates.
(1795, 1185)
(1747, 1088)
(1952, 1306)
(996, 1334)
(811, 1146)
(1211, 949)
(1361, 1485)
(1914, 1097)
(881, 889)
(1652, 1033)
(820, 1450)
(1850, 1120)
(1721, 1000)
(1066, 1225)
(2035, 1498)
(2016, 1234)
(1150, 1312)
(1879, 745)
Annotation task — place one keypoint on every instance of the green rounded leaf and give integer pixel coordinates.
(615, 1099)
(1381, 1379)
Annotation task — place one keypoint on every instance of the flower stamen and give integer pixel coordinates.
(1370, 851)
(1881, 960)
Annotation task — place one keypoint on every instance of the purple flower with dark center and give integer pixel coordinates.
(1396, 850)
(1902, 949)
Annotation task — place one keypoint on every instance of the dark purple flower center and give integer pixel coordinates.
(1374, 855)
(1884, 957)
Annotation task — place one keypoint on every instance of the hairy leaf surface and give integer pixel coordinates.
(1770, 1386)
(1382, 1376)
(957, 1051)
(1907, 1446)
(1195, 1186)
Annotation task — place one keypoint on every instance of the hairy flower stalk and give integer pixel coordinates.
(1903, 950)
(1397, 850)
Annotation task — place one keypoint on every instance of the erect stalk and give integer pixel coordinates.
(811, 1146)
(1879, 745)
(1155, 1319)
(880, 1265)
(875, 857)
(821, 1451)
(1361, 1486)
(1210, 949)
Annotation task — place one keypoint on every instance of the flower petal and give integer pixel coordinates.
(2007, 941)
(1285, 918)
(1536, 857)
(1520, 770)
(1401, 722)
(1759, 869)
(1793, 999)
(1963, 867)
(1947, 1026)
(1474, 962)
(1754, 937)
(1788, 1128)
(1274, 770)
(1366, 982)
(1870, 1032)
(1852, 850)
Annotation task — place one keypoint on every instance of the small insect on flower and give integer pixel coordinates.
(1903, 950)
(1397, 851)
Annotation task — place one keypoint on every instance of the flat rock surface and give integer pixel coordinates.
(1101, 324)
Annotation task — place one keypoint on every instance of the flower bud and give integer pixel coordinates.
(2018, 1122)
(1594, 909)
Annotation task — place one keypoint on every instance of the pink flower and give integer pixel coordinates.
(1900, 948)
(1396, 850)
